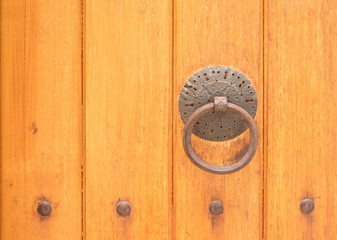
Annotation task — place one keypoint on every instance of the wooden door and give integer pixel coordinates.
(300, 103)
(41, 119)
(128, 109)
(89, 118)
(204, 35)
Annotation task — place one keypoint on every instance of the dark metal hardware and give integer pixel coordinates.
(210, 82)
(216, 207)
(44, 208)
(123, 208)
(220, 104)
(307, 205)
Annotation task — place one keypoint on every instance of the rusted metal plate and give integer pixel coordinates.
(203, 86)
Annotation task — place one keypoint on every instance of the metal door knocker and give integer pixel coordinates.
(218, 104)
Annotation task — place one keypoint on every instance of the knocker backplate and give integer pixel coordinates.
(202, 87)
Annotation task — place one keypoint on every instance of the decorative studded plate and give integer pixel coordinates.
(203, 86)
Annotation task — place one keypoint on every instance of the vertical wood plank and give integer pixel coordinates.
(40, 124)
(209, 33)
(128, 72)
(301, 59)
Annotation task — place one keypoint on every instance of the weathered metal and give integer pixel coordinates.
(44, 208)
(216, 207)
(220, 104)
(202, 87)
(307, 205)
(228, 107)
(123, 208)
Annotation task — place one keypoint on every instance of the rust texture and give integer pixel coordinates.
(216, 207)
(44, 208)
(307, 205)
(227, 107)
(217, 81)
(123, 208)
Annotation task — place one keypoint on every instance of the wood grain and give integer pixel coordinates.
(208, 33)
(301, 59)
(40, 139)
(128, 84)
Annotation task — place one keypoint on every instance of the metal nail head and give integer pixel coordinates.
(123, 208)
(216, 207)
(44, 208)
(307, 205)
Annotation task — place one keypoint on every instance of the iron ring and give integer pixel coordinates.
(220, 104)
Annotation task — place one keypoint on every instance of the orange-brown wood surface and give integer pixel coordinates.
(208, 33)
(301, 72)
(40, 137)
(128, 84)
(87, 120)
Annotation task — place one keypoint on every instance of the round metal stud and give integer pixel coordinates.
(202, 87)
(307, 205)
(123, 208)
(44, 208)
(216, 207)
